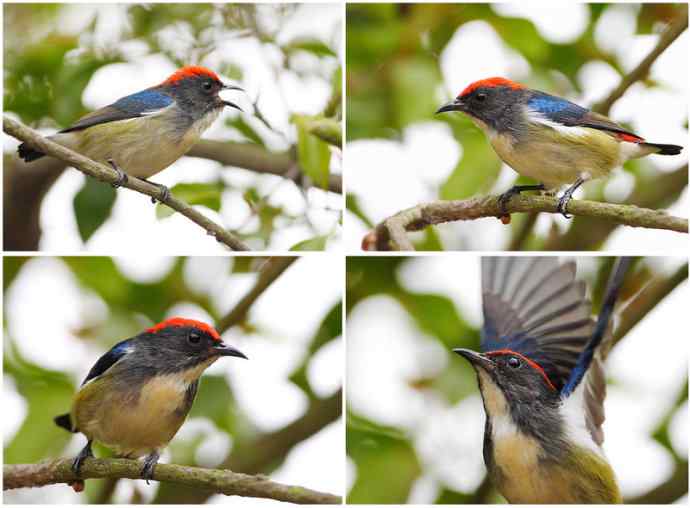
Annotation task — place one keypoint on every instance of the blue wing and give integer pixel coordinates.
(107, 360)
(570, 114)
(132, 106)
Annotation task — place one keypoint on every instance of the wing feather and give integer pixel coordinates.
(534, 306)
(131, 106)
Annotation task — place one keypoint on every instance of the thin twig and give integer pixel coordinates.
(271, 270)
(391, 234)
(218, 480)
(109, 175)
(677, 27)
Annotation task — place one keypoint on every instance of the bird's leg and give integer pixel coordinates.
(121, 175)
(165, 192)
(567, 196)
(149, 464)
(514, 191)
(84, 454)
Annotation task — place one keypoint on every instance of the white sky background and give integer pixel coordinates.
(428, 153)
(133, 220)
(644, 380)
(285, 324)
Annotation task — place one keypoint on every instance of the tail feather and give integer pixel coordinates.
(664, 149)
(28, 154)
(64, 421)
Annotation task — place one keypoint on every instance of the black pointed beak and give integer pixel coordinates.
(476, 359)
(232, 87)
(455, 105)
(222, 349)
(228, 103)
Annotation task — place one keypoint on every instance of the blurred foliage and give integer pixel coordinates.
(131, 306)
(48, 66)
(393, 79)
(387, 463)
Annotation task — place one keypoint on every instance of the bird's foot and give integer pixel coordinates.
(121, 175)
(149, 465)
(515, 190)
(165, 192)
(563, 204)
(566, 197)
(84, 454)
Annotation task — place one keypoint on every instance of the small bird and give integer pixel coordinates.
(147, 131)
(548, 138)
(542, 382)
(137, 395)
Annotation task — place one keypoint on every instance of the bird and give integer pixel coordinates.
(143, 133)
(548, 138)
(541, 379)
(137, 395)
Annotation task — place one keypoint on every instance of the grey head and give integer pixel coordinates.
(197, 91)
(497, 103)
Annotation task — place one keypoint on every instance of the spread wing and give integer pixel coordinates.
(132, 106)
(107, 360)
(570, 114)
(534, 306)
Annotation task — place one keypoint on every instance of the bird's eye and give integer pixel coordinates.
(481, 97)
(513, 362)
(207, 85)
(194, 338)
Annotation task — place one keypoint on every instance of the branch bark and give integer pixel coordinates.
(257, 159)
(109, 175)
(391, 234)
(672, 32)
(220, 481)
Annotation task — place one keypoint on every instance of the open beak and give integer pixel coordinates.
(222, 349)
(455, 105)
(476, 359)
(228, 103)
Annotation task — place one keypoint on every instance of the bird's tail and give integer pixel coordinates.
(662, 149)
(28, 154)
(64, 421)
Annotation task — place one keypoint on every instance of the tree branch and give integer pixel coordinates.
(254, 158)
(391, 233)
(270, 271)
(672, 32)
(647, 299)
(267, 451)
(220, 481)
(109, 175)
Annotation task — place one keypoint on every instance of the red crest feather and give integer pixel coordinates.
(489, 83)
(180, 322)
(529, 362)
(190, 71)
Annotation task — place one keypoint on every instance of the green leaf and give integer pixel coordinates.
(314, 46)
(47, 394)
(316, 243)
(245, 129)
(376, 450)
(92, 206)
(313, 154)
(206, 194)
(414, 85)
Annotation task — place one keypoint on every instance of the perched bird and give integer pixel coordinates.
(548, 138)
(541, 380)
(142, 134)
(137, 395)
